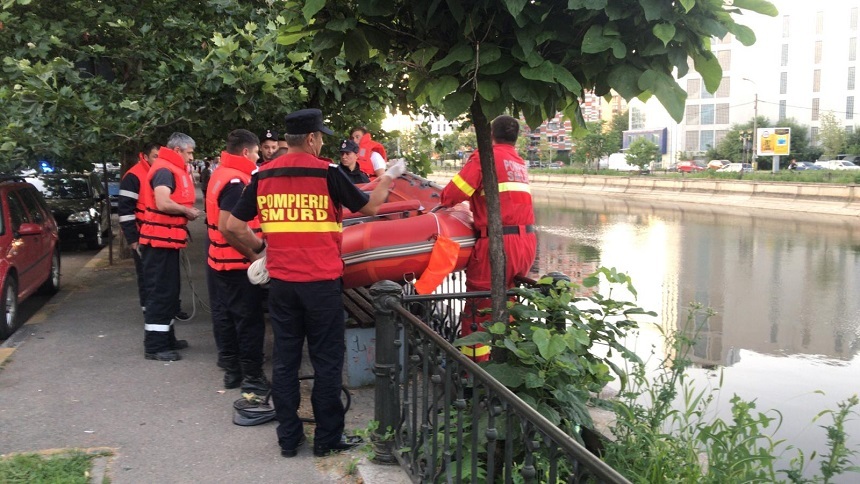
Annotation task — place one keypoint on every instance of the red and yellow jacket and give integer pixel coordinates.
(233, 169)
(301, 224)
(514, 192)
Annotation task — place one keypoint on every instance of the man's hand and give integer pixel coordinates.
(192, 213)
(397, 168)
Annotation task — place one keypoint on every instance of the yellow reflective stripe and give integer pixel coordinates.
(478, 350)
(270, 227)
(514, 187)
(462, 185)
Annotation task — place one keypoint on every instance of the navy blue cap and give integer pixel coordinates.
(305, 121)
(349, 146)
(269, 135)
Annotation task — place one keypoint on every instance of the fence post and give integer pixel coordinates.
(385, 294)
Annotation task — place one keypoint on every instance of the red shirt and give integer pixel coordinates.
(514, 192)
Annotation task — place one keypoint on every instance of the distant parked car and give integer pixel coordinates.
(555, 165)
(807, 165)
(114, 176)
(736, 168)
(689, 167)
(717, 164)
(28, 244)
(79, 205)
(837, 165)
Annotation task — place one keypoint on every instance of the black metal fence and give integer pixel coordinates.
(445, 419)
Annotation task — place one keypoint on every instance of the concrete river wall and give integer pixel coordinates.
(841, 200)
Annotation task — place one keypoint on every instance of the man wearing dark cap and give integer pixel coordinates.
(268, 146)
(349, 162)
(299, 199)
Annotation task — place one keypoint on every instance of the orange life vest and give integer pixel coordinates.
(299, 219)
(162, 229)
(140, 170)
(366, 147)
(222, 256)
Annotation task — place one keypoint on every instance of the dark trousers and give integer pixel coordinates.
(237, 318)
(161, 277)
(312, 310)
(141, 284)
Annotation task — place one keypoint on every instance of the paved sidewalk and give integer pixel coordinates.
(77, 378)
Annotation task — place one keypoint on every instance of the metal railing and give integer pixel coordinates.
(444, 419)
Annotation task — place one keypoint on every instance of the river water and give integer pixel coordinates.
(785, 288)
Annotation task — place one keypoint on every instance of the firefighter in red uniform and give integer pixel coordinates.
(298, 198)
(130, 210)
(236, 304)
(517, 221)
(168, 199)
(371, 155)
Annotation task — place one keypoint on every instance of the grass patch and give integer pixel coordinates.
(71, 468)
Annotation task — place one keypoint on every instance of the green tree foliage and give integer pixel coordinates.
(592, 144)
(642, 152)
(615, 131)
(535, 58)
(97, 83)
(832, 135)
(852, 142)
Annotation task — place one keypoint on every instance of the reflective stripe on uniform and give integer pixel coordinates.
(463, 185)
(128, 194)
(514, 187)
(126, 218)
(270, 227)
(478, 350)
(160, 328)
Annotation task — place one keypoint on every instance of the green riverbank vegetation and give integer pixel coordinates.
(560, 350)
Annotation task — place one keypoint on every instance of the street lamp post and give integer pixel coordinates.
(755, 125)
(745, 137)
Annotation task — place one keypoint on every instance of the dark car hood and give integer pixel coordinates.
(62, 208)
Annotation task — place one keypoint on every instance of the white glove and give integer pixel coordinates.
(397, 168)
(257, 272)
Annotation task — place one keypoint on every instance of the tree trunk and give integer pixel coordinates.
(494, 212)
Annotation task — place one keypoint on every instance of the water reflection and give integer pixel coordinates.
(785, 289)
(783, 286)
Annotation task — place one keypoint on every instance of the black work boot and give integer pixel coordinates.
(255, 380)
(232, 372)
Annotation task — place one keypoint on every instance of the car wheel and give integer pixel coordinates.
(9, 307)
(52, 284)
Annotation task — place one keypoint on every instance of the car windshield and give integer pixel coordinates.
(66, 188)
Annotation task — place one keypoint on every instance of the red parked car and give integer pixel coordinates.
(29, 252)
(689, 167)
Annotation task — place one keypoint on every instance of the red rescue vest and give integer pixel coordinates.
(515, 197)
(162, 229)
(222, 256)
(366, 147)
(140, 170)
(300, 221)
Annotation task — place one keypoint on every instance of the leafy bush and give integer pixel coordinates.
(550, 353)
(658, 441)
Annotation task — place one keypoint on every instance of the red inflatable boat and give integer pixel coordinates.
(396, 243)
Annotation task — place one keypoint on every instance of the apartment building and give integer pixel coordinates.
(804, 63)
